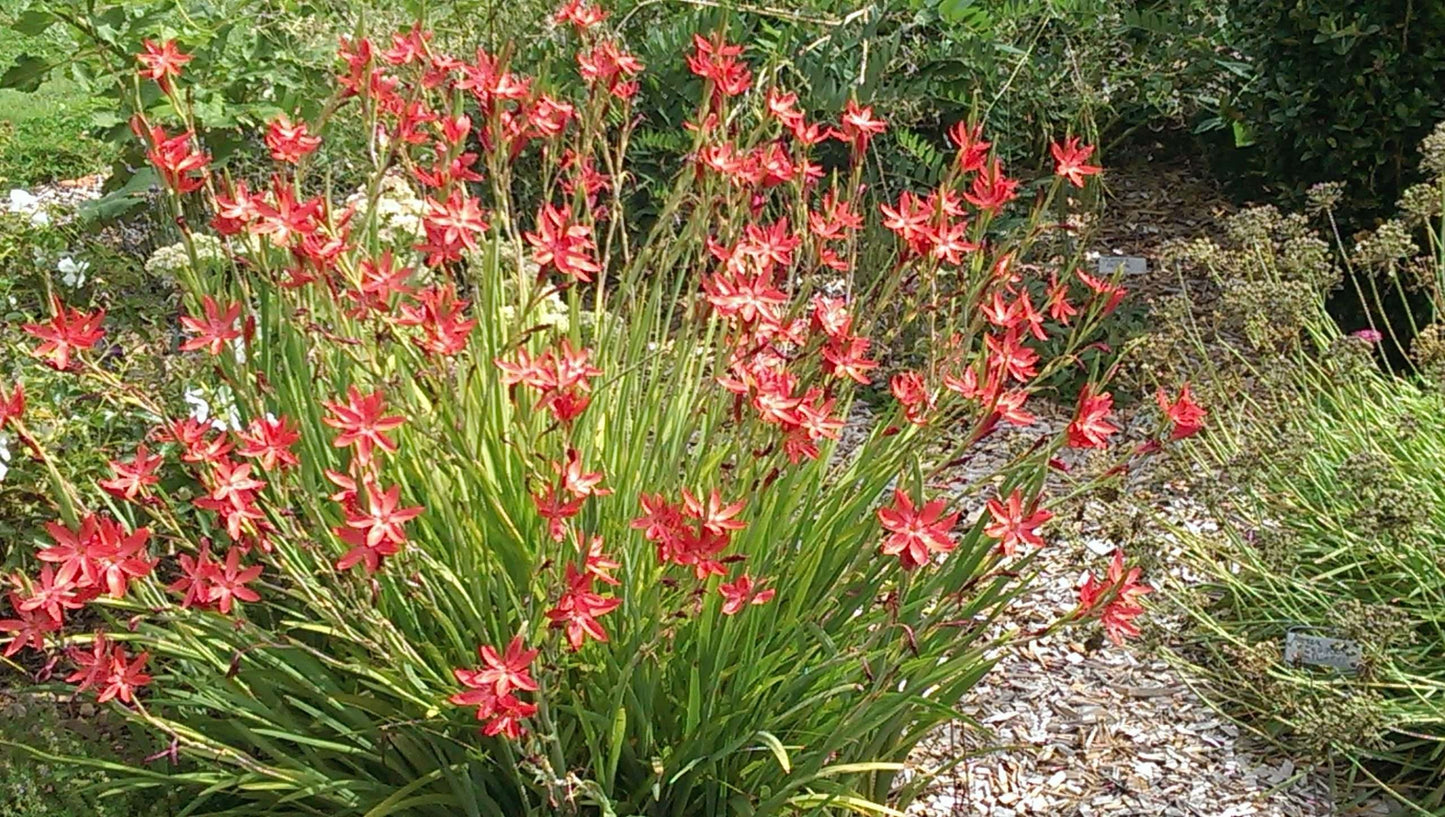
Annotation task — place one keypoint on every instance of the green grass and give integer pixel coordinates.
(44, 134)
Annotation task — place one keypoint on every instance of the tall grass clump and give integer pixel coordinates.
(1324, 479)
(520, 505)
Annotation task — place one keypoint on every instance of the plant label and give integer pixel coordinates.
(1131, 265)
(1305, 649)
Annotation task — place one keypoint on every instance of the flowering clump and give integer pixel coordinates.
(655, 517)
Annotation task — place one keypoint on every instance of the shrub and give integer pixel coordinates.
(602, 455)
(1323, 478)
(1341, 90)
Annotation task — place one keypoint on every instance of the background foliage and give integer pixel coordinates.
(1341, 90)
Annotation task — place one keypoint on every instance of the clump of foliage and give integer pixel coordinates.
(521, 505)
(41, 782)
(1324, 478)
(1339, 90)
(44, 134)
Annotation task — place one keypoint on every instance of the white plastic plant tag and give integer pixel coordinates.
(1303, 648)
(1132, 265)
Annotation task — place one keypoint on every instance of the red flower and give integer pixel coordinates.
(549, 116)
(834, 220)
(1070, 160)
(69, 330)
(1091, 427)
(1115, 600)
(911, 391)
(30, 628)
(1058, 304)
(598, 565)
(13, 405)
(286, 220)
(607, 64)
(369, 557)
(290, 143)
(551, 507)
(226, 583)
(741, 593)
(451, 226)
(910, 221)
(846, 359)
(54, 593)
(383, 523)
(269, 440)
(235, 210)
(578, 609)
(917, 533)
(747, 298)
(181, 164)
(160, 62)
(507, 716)
(442, 318)
(363, 423)
(93, 666)
(231, 483)
(501, 673)
(577, 482)
(972, 149)
(408, 46)
(195, 437)
(1115, 292)
(195, 580)
(116, 557)
(563, 245)
(1007, 356)
(72, 549)
(1185, 415)
(1010, 526)
(715, 517)
(991, 189)
(718, 62)
(134, 477)
(859, 126)
(215, 330)
(580, 14)
(125, 677)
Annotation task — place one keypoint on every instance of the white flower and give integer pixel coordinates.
(221, 416)
(200, 409)
(72, 272)
(39, 218)
(23, 200)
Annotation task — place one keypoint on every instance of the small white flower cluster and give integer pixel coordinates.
(399, 212)
(170, 259)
